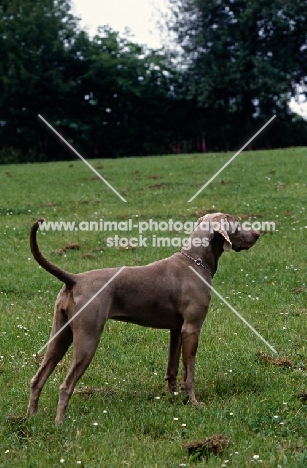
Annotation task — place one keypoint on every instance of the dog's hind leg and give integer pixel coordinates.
(85, 346)
(55, 351)
(173, 358)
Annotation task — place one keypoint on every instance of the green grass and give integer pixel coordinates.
(252, 402)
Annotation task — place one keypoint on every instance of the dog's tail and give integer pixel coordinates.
(68, 278)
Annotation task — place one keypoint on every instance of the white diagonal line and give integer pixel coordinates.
(83, 307)
(83, 159)
(234, 310)
(231, 159)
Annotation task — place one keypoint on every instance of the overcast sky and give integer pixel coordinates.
(140, 16)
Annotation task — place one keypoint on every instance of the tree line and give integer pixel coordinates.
(238, 63)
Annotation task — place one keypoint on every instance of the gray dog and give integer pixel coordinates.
(165, 294)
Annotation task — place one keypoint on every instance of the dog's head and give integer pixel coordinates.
(233, 235)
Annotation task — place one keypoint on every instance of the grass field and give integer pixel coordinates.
(121, 414)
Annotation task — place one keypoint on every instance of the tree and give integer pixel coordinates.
(36, 37)
(243, 59)
(108, 96)
(122, 98)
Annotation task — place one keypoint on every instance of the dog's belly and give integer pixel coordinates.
(145, 319)
(148, 318)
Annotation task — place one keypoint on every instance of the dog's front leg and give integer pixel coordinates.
(190, 336)
(173, 359)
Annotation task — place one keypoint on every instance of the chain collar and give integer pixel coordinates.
(198, 262)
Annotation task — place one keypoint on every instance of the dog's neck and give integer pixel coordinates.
(209, 255)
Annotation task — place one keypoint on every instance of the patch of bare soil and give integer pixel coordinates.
(156, 185)
(88, 255)
(88, 391)
(69, 246)
(299, 290)
(215, 445)
(281, 362)
(303, 396)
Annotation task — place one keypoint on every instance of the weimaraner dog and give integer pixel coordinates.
(165, 294)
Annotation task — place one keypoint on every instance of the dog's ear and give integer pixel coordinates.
(227, 243)
(220, 224)
(217, 222)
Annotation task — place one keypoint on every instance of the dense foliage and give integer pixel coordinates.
(244, 59)
(110, 97)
